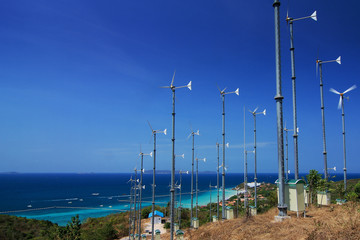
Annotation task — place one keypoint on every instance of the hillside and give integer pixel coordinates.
(334, 222)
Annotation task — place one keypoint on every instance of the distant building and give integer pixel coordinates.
(157, 216)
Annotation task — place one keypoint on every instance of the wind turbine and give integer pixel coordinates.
(254, 113)
(141, 187)
(154, 132)
(223, 93)
(290, 21)
(192, 172)
(197, 189)
(180, 206)
(319, 64)
(341, 105)
(172, 190)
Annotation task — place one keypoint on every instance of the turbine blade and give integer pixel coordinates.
(224, 89)
(218, 88)
(255, 109)
(340, 102)
(150, 126)
(189, 135)
(287, 15)
(172, 81)
(350, 89)
(334, 91)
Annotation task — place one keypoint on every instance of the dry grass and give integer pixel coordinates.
(334, 222)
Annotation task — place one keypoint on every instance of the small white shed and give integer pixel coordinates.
(157, 217)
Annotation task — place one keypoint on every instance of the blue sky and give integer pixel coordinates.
(80, 79)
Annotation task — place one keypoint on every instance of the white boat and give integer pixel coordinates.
(29, 206)
(95, 194)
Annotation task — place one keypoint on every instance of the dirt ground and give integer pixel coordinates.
(330, 222)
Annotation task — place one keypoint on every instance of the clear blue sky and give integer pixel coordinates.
(80, 79)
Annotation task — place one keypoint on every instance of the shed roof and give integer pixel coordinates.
(157, 213)
(291, 181)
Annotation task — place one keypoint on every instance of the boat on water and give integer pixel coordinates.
(29, 206)
(95, 194)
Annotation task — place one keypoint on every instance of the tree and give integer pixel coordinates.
(313, 179)
(73, 229)
(357, 189)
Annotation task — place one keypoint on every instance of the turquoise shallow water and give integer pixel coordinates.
(58, 197)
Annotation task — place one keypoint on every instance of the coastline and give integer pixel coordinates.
(62, 215)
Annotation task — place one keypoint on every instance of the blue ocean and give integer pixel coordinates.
(58, 197)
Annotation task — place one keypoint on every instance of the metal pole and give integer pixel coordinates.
(255, 176)
(172, 190)
(237, 203)
(294, 100)
(245, 169)
(279, 113)
(223, 163)
(218, 187)
(130, 212)
(245, 183)
(343, 133)
(192, 181)
(197, 173)
(153, 190)
(135, 187)
(210, 202)
(287, 154)
(140, 193)
(323, 122)
(180, 200)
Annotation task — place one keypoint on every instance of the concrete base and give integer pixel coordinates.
(281, 218)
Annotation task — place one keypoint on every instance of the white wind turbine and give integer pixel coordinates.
(172, 189)
(341, 105)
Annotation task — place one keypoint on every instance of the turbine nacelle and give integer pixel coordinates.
(172, 87)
